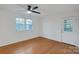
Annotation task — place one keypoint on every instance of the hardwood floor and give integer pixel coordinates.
(39, 45)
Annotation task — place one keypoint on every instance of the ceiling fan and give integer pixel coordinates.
(29, 8)
(33, 10)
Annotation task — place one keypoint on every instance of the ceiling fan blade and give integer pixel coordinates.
(35, 8)
(35, 12)
(29, 7)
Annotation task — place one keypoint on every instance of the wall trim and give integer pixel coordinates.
(18, 41)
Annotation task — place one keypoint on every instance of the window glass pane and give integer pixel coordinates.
(20, 25)
(28, 24)
(28, 21)
(68, 25)
(23, 24)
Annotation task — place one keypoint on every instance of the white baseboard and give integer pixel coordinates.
(35, 37)
(59, 40)
(7, 43)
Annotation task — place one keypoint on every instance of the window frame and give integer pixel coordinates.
(66, 23)
(29, 24)
(24, 26)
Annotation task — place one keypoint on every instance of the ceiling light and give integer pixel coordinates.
(29, 12)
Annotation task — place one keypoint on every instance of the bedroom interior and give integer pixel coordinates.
(39, 29)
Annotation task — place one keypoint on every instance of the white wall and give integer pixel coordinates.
(8, 33)
(53, 27)
(48, 24)
(72, 37)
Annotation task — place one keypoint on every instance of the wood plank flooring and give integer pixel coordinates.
(39, 45)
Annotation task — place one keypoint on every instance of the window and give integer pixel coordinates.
(23, 24)
(68, 25)
(28, 24)
(20, 24)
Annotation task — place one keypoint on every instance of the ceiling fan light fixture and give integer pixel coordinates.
(29, 12)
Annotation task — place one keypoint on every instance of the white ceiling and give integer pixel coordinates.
(45, 9)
